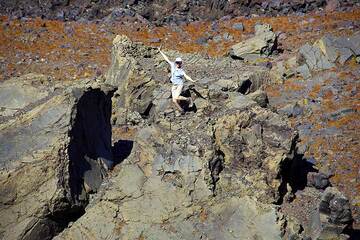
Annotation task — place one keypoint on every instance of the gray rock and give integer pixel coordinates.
(335, 206)
(155, 40)
(291, 110)
(304, 71)
(227, 36)
(217, 38)
(318, 180)
(238, 26)
(18, 93)
(50, 155)
(314, 58)
(263, 43)
(202, 40)
(339, 49)
(260, 97)
(240, 101)
(187, 172)
(332, 217)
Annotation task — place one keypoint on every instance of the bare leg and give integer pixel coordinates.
(182, 98)
(175, 101)
(189, 99)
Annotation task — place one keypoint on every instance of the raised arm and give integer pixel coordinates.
(165, 57)
(188, 78)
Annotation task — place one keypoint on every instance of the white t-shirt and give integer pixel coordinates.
(177, 75)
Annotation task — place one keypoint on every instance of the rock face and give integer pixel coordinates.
(51, 142)
(263, 43)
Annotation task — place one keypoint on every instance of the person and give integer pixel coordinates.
(178, 76)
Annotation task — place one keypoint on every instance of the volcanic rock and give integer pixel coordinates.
(333, 215)
(224, 160)
(263, 43)
(51, 145)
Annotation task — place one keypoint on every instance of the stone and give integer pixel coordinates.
(332, 5)
(50, 154)
(260, 97)
(263, 43)
(304, 71)
(332, 216)
(339, 49)
(318, 180)
(314, 58)
(335, 206)
(227, 36)
(155, 40)
(227, 158)
(238, 26)
(291, 110)
(18, 93)
(217, 38)
(240, 101)
(283, 70)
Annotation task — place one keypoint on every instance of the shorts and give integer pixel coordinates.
(176, 91)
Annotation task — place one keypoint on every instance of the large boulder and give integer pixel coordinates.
(49, 155)
(332, 216)
(324, 54)
(339, 49)
(263, 43)
(178, 184)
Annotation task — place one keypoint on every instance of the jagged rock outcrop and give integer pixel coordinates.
(214, 172)
(263, 43)
(217, 172)
(51, 141)
(324, 54)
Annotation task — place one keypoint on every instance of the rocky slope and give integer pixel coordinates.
(218, 172)
(273, 129)
(160, 12)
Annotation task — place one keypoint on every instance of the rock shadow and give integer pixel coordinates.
(121, 150)
(296, 172)
(90, 143)
(184, 104)
(354, 234)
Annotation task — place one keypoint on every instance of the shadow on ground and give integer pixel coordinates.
(121, 150)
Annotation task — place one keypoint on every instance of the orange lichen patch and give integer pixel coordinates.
(345, 120)
(124, 133)
(203, 216)
(272, 91)
(328, 94)
(315, 91)
(292, 86)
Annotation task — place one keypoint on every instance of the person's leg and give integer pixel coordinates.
(182, 98)
(175, 92)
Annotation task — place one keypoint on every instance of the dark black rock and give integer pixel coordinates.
(318, 180)
(160, 12)
(336, 206)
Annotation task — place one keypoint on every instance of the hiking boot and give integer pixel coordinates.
(179, 113)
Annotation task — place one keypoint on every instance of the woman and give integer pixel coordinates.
(177, 78)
